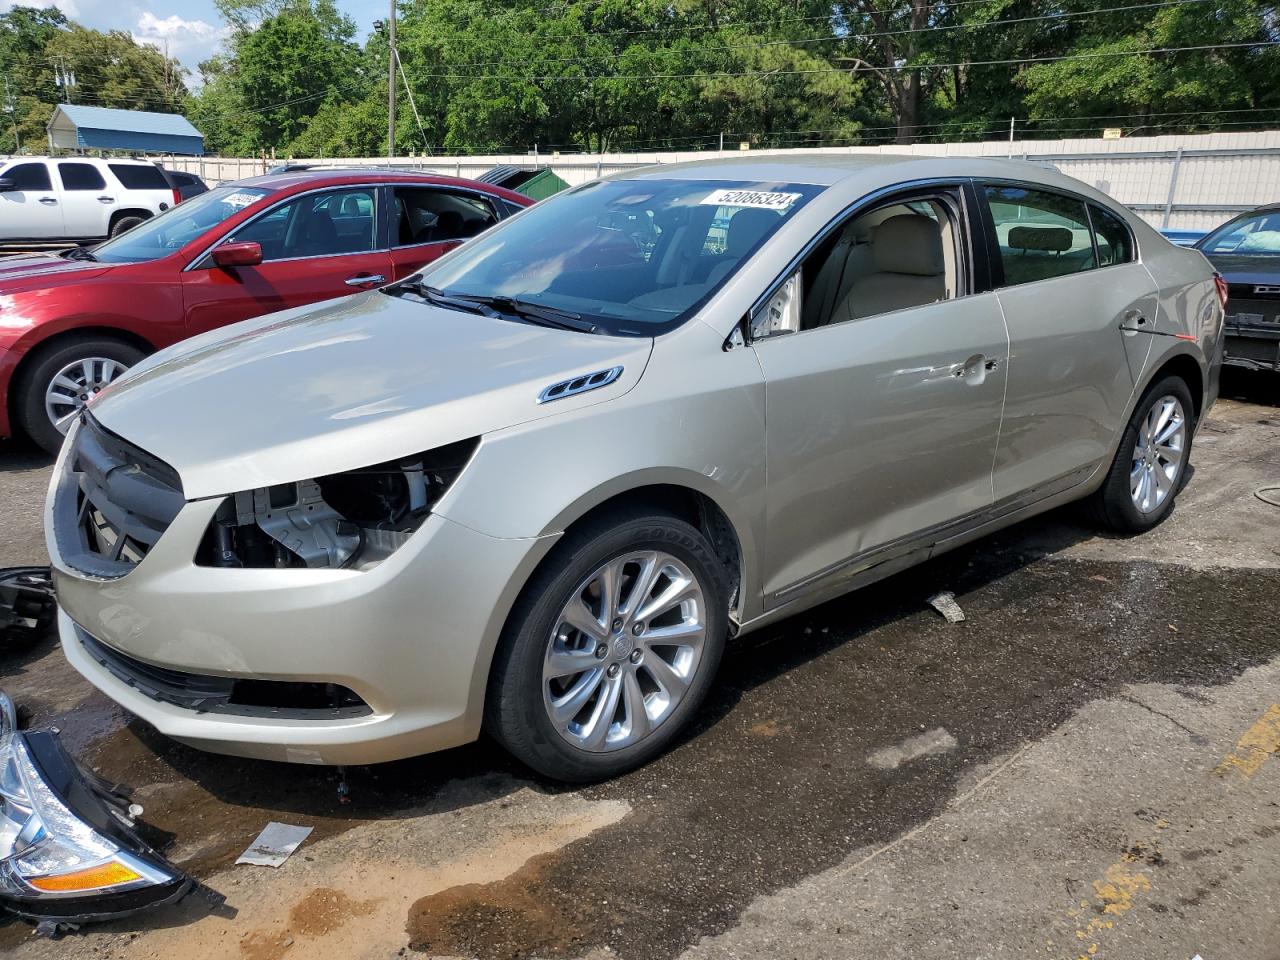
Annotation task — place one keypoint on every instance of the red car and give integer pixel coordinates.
(70, 324)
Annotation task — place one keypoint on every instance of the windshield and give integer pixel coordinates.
(175, 228)
(1253, 235)
(635, 257)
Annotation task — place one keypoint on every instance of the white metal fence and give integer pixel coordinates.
(1181, 182)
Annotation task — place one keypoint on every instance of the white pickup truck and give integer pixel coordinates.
(78, 198)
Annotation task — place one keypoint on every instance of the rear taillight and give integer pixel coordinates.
(1222, 290)
(177, 196)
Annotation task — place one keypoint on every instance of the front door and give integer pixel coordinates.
(314, 247)
(1068, 301)
(883, 410)
(32, 209)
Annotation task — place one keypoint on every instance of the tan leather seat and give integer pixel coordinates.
(909, 269)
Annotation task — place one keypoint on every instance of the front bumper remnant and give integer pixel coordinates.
(26, 607)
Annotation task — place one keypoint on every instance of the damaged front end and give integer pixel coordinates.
(350, 520)
(69, 849)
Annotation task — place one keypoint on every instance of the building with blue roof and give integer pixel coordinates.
(77, 127)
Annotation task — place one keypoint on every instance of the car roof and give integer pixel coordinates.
(827, 169)
(77, 159)
(291, 180)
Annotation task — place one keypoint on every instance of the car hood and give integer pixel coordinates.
(37, 269)
(1246, 270)
(370, 378)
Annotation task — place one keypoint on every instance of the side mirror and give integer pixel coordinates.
(246, 253)
(7, 185)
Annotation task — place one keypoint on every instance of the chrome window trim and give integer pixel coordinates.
(480, 194)
(840, 218)
(374, 185)
(1121, 215)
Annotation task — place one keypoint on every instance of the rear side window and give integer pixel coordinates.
(139, 176)
(1042, 235)
(426, 215)
(80, 176)
(29, 176)
(1115, 242)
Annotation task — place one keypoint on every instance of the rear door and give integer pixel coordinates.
(142, 186)
(87, 199)
(316, 246)
(1072, 367)
(33, 208)
(427, 222)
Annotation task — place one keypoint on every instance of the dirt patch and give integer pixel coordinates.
(319, 914)
(509, 918)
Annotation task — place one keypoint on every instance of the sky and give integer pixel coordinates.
(192, 28)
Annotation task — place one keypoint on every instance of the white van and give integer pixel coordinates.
(78, 198)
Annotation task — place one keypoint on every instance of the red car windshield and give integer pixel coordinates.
(175, 228)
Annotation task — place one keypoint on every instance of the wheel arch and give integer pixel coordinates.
(676, 495)
(1186, 366)
(118, 215)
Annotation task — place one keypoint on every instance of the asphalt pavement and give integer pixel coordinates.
(1083, 768)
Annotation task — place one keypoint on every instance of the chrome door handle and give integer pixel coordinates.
(48, 200)
(366, 281)
(106, 199)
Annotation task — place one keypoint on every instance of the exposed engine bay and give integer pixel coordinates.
(354, 519)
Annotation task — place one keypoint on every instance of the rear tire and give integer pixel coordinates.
(1150, 466)
(581, 705)
(125, 223)
(33, 388)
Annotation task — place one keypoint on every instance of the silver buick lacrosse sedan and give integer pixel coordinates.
(534, 489)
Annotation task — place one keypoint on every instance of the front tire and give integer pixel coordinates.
(61, 378)
(611, 648)
(1151, 465)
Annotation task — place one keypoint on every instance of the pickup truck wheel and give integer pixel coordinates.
(1151, 465)
(125, 223)
(59, 381)
(611, 648)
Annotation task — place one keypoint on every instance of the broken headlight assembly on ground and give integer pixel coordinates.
(68, 848)
(354, 519)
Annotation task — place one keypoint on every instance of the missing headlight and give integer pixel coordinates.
(352, 519)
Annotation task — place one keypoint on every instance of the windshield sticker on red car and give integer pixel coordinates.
(763, 199)
(239, 199)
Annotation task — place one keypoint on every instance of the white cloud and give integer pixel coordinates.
(190, 41)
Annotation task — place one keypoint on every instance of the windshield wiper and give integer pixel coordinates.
(78, 253)
(547, 316)
(429, 293)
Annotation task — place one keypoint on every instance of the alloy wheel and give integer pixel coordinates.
(624, 651)
(74, 385)
(1158, 455)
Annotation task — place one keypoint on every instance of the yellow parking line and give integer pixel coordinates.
(1121, 884)
(1259, 742)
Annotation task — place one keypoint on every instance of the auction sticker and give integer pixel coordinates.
(240, 199)
(764, 199)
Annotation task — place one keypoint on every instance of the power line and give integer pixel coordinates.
(865, 68)
(844, 37)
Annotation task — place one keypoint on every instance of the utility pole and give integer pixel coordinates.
(12, 107)
(391, 82)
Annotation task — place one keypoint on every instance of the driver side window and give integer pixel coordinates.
(314, 225)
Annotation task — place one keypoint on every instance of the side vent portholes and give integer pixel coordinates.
(588, 381)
